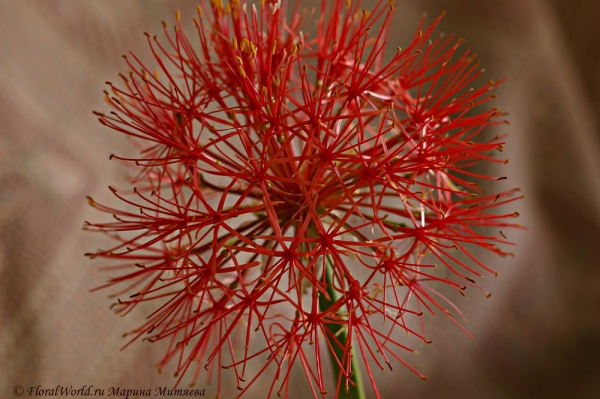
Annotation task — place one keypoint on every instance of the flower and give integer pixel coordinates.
(299, 191)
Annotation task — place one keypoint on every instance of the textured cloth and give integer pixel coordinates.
(538, 336)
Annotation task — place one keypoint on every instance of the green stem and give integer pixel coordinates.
(340, 331)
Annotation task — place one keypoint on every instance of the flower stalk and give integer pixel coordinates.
(350, 386)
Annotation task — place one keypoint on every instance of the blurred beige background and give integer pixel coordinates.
(538, 336)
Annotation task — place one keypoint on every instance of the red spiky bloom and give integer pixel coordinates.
(294, 190)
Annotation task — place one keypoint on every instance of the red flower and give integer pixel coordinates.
(299, 189)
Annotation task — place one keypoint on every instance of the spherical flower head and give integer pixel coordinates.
(299, 198)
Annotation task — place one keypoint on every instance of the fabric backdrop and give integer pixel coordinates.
(538, 336)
